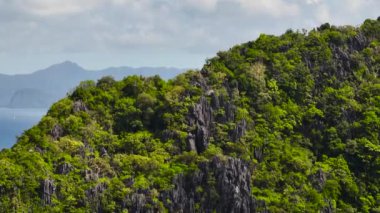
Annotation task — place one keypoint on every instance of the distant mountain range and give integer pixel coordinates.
(43, 87)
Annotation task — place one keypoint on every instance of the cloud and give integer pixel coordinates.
(275, 8)
(56, 7)
(342, 12)
(206, 5)
(68, 7)
(314, 2)
(165, 27)
(322, 14)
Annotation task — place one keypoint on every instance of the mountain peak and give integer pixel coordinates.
(64, 67)
(67, 64)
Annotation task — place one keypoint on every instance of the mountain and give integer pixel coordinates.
(30, 98)
(287, 123)
(42, 88)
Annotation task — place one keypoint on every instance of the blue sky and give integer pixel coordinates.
(181, 33)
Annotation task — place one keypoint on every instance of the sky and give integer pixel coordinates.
(174, 33)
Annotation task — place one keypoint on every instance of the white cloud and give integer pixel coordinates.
(342, 12)
(313, 2)
(196, 27)
(355, 4)
(322, 14)
(206, 5)
(121, 2)
(275, 8)
(67, 7)
(143, 36)
(56, 7)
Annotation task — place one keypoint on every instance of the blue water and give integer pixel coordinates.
(13, 122)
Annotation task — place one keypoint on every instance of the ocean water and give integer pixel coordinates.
(13, 122)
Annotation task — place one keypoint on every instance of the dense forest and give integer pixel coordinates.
(287, 123)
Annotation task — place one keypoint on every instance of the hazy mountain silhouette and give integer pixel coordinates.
(43, 87)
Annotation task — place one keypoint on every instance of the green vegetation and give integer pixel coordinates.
(301, 110)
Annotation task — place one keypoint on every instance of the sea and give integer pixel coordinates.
(13, 122)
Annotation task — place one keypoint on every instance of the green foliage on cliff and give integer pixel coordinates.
(302, 110)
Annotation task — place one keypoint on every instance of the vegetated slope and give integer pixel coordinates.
(285, 123)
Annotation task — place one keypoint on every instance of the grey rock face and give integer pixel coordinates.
(318, 179)
(91, 175)
(214, 101)
(202, 118)
(239, 131)
(221, 185)
(57, 132)
(64, 168)
(191, 143)
(329, 208)
(103, 152)
(358, 42)
(48, 190)
(79, 106)
(140, 202)
(94, 194)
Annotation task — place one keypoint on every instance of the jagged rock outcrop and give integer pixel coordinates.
(239, 130)
(64, 168)
(94, 195)
(201, 118)
(56, 132)
(329, 208)
(91, 174)
(103, 152)
(79, 106)
(358, 42)
(318, 179)
(222, 184)
(48, 190)
(141, 202)
(191, 144)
